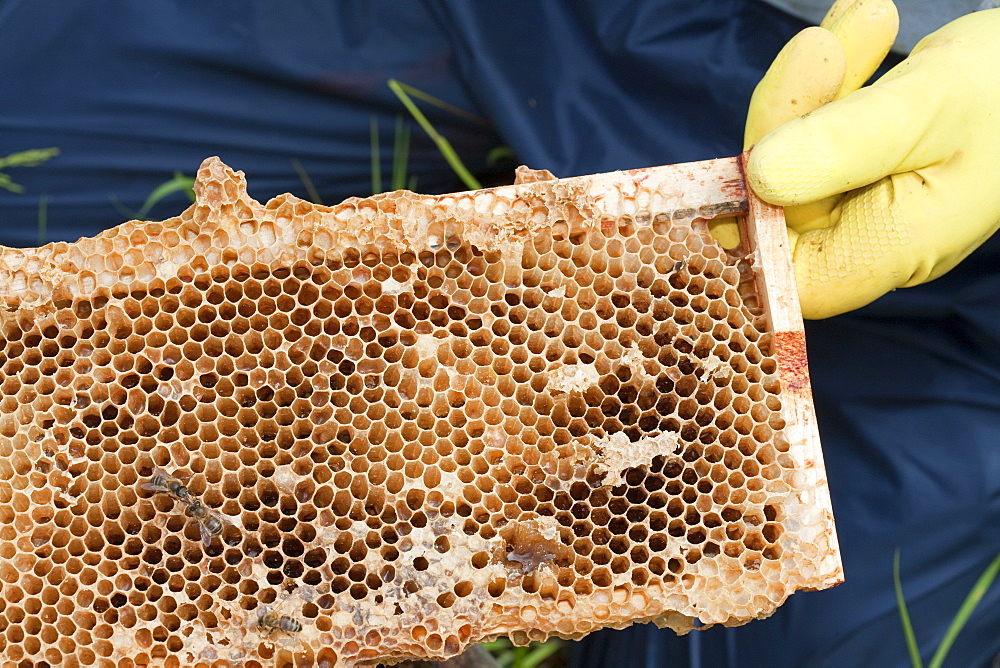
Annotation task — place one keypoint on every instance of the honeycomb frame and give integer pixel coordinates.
(539, 409)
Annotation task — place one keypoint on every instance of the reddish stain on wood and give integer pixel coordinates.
(734, 188)
(793, 367)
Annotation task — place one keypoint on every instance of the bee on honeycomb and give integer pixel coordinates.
(164, 482)
(210, 523)
(270, 622)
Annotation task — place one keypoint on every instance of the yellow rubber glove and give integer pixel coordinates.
(886, 186)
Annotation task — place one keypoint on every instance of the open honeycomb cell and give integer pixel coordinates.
(420, 422)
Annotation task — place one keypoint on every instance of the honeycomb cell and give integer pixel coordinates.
(398, 425)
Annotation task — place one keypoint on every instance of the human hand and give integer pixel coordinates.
(886, 186)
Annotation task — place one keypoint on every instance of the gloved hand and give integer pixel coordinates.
(887, 186)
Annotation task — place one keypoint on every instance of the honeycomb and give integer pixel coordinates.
(422, 422)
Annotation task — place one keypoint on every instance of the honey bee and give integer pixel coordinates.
(210, 523)
(164, 482)
(269, 621)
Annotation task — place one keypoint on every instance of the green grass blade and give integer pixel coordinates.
(43, 219)
(442, 144)
(965, 611)
(7, 184)
(506, 658)
(306, 181)
(904, 616)
(539, 653)
(519, 655)
(179, 183)
(30, 158)
(441, 104)
(376, 158)
(496, 645)
(405, 160)
(121, 208)
(189, 188)
(400, 154)
(499, 154)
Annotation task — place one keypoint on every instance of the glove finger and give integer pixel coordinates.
(866, 29)
(847, 144)
(835, 12)
(726, 231)
(805, 75)
(812, 216)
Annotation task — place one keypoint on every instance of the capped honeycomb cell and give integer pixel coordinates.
(290, 434)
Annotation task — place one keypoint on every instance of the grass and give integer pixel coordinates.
(179, 183)
(965, 611)
(43, 219)
(406, 93)
(30, 158)
(400, 158)
(531, 656)
(306, 181)
(376, 156)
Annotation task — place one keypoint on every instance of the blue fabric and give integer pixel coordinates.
(131, 92)
(907, 389)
